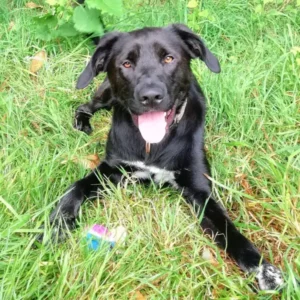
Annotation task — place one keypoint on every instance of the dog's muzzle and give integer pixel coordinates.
(154, 125)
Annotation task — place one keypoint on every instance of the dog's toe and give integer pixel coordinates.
(269, 277)
(55, 236)
(82, 123)
(87, 129)
(58, 232)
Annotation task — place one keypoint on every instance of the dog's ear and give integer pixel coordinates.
(196, 47)
(99, 60)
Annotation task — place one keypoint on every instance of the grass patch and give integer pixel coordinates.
(252, 140)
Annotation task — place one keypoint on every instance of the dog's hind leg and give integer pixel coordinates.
(102, 99)
(63, 217)
(215, 221)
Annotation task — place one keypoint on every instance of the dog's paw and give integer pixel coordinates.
(58, 232)
(82, 123)
(269, 277)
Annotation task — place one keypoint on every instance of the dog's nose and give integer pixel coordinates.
(151, 96)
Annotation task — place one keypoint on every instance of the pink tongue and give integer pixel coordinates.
(152, 126)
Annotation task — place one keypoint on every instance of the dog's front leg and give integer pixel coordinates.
(215, 221)
(102, 99)
(63, 217)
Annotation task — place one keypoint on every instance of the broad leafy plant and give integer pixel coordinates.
(66, 18)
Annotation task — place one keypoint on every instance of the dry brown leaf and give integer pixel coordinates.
(33, 5)
(23, 132)
(3, 86)
(90, 161)
(255, 93)
(36, 126)
(207, 255)
(139, 296)
(246, 186)
(11, 25)
(4, 118)
(38, 61)
(242, 178)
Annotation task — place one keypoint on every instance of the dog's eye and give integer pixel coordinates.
(168, 59)
(127, 64)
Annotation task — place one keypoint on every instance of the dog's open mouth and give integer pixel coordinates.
(153, 125)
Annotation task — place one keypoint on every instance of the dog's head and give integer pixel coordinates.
(149, 72)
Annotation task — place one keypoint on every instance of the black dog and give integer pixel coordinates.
(157, 131)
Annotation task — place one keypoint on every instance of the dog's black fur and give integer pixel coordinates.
(152, 84)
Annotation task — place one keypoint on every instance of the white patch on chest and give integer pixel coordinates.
(160, 176)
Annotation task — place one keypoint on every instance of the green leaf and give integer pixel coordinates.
(66, 30)
(259, 9)
(52, 2)
(45, 27)
(56, 2)
(112, 7)
(43, 33)
(269, 1)
(192, 4)
(204, 13)
(86, 20)
(295, 50)
(47, 20)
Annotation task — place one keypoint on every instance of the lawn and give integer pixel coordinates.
(252, 140)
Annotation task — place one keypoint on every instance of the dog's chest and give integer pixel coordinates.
(158, 175)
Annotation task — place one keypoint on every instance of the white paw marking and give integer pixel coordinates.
(160, 176)
(141, 174)
(269, 277)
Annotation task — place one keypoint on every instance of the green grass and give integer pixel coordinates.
(252, 139)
